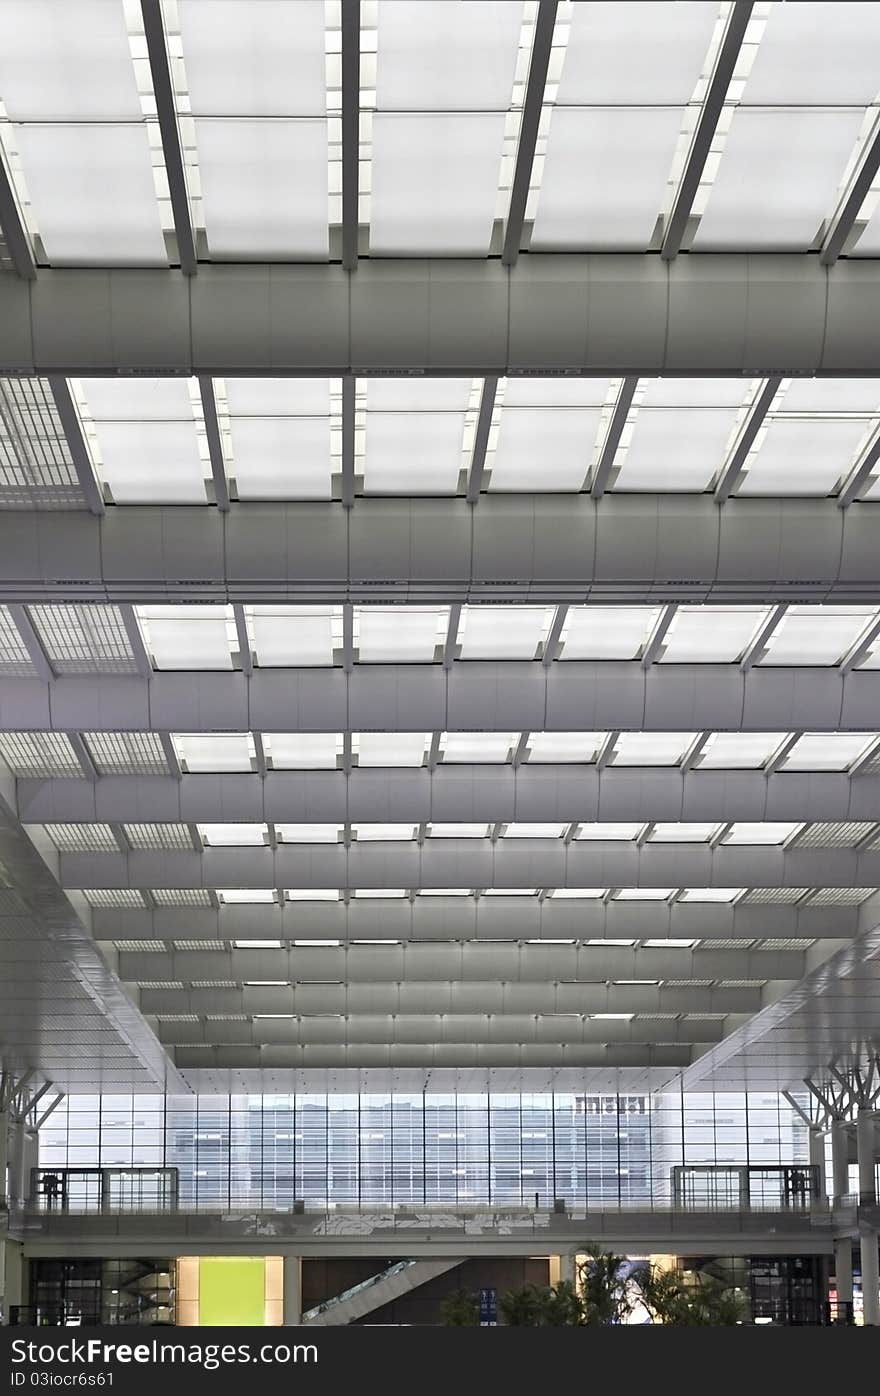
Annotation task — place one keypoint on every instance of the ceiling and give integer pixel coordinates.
(439, 589)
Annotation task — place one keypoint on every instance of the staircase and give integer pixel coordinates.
(379, 1289)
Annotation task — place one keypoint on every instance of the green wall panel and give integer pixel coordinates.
(232, 1291)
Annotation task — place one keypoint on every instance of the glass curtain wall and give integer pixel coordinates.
(265, 1151)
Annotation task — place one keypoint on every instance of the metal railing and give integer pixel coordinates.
(397, 1268)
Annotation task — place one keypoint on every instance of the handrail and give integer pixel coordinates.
(397, 1268)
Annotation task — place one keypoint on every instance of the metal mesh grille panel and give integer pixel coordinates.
(841, 896)
(82, 838)
(43, 754)
(160, 984)
(140, 947)
(728, 944)
(36, 469)
(784, 944)
(15, 661)
(84, 639)
(199, 944)
(834, 835)
(158, 837)
(113, 897)
(774, 896)
(127, 753)
(214, 984)
(180, 896)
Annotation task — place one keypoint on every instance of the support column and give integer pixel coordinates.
(567, 1268)
(292, 1291)
(11, 1276)
(843, 1275)
(30, 1158)
(4, 1157)
(16, 1161)
(817, 1161)
(865, 1147)
(870, 1277)
(840, 1158)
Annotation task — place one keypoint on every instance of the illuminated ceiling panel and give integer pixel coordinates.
(628, 72)
(400, 634)
(145, 440)
(302, 751)
(294, 636)
(256, 84)
(414, 435)
(651, 748)
(503, 632)
(607, 632)
(548, 747)
(444, 85)
(279, 437)
(187, 637)
(819, 635)
(739, 751)
(711, 634)
(390, 748)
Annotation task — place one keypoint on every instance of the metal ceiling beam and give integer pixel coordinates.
(444, 924)
(590, 313)
(624, 550)
(76, 443)
(20, 617)
(758, 647)
(466, 696)
(477, 863)
(246, 658)
(481, 438)
(431, 1058)
(418, 998)
(351, 102)
(12, 223)
(732, 472)
(525, 791)
(654, 647)
(843, 222)
(707, 123)
(349, 389)
(605, 464)
(136, 641)
(215, 441)
(861, 648)
(166, 112)
(533, 101)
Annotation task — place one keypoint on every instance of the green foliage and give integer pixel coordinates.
(699, 1301)
(525, 1307)
(562, 1306)
(607, 1293)
(461, 1309)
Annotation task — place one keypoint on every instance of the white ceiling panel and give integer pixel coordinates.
(302, 751)
(264, 188)
(503, 632)
(677, 449)
(399, 634)
(607, 632)
(294, 636)
(544, 448)
(777, 179)
(433, 56)
(281, 457)
(802, 457)
(255, 58)
(711, 634)
(649, 52)
(64, 62)
(413, 453)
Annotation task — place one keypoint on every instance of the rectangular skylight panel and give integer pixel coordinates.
(281, 457)
(800, 457)
(651, 748)
(302, 751)
(510, 892)
(137, 399)
(400, 634)
(767, 834)
(444, 892)
(390, 749)
(503, 632)
(277, 397)
(682, 833)
(187, 637)
(571, 894)
(92, 193)
(294, 636)
(458, 831)
(311, 894)
(264, 187)
(676, 448)
(433, 56)
(640, 53)
(777, 178)
(693, 392)
(243, 896)
(308, 833)
(832, 395)
(544, 448)
(378, 893)
(609, 832)
(383, 833)
(60, 62)
(817, 54)
(607, 632)
(214, 751)
(413, 453)
(574, 392)
(39, 754)
(711, 634)
(710, 894)
(524, 830)
(417, 395)
(827, 751)
(257, 58)
(480, 748)
(643, 894)
(669, 944)
(816, 635)
(623, 156)
(435, 182)
(551, 747)
(151, 462)
(234, 835)
(739, 751)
